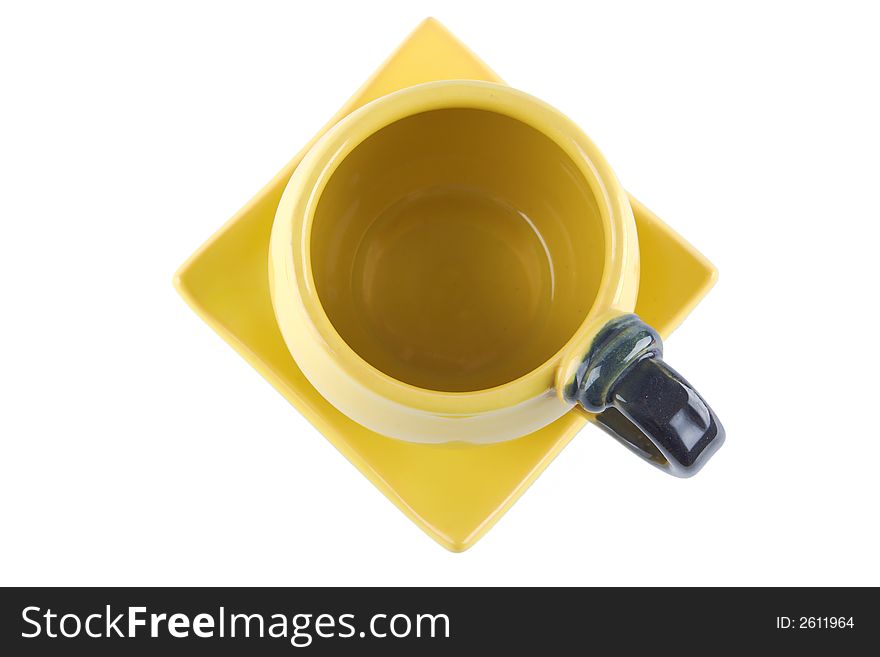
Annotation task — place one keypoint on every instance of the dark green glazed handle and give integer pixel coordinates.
(642, 401)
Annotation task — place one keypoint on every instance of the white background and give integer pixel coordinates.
(138, 448)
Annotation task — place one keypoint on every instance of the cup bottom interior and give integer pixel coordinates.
(457, 250)
(451, 282)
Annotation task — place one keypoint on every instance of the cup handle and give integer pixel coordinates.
(642, 402)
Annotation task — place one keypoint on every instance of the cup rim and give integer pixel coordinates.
(292, 275)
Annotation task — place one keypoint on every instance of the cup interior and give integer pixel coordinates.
(457, 249)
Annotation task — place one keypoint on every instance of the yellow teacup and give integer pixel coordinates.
(457, 259)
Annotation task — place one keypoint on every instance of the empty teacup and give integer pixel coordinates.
(457, 261)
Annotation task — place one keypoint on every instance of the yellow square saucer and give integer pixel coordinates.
(455, 491)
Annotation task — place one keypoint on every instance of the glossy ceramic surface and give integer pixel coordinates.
(644, 403)
(455, 492)
(425, 234)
